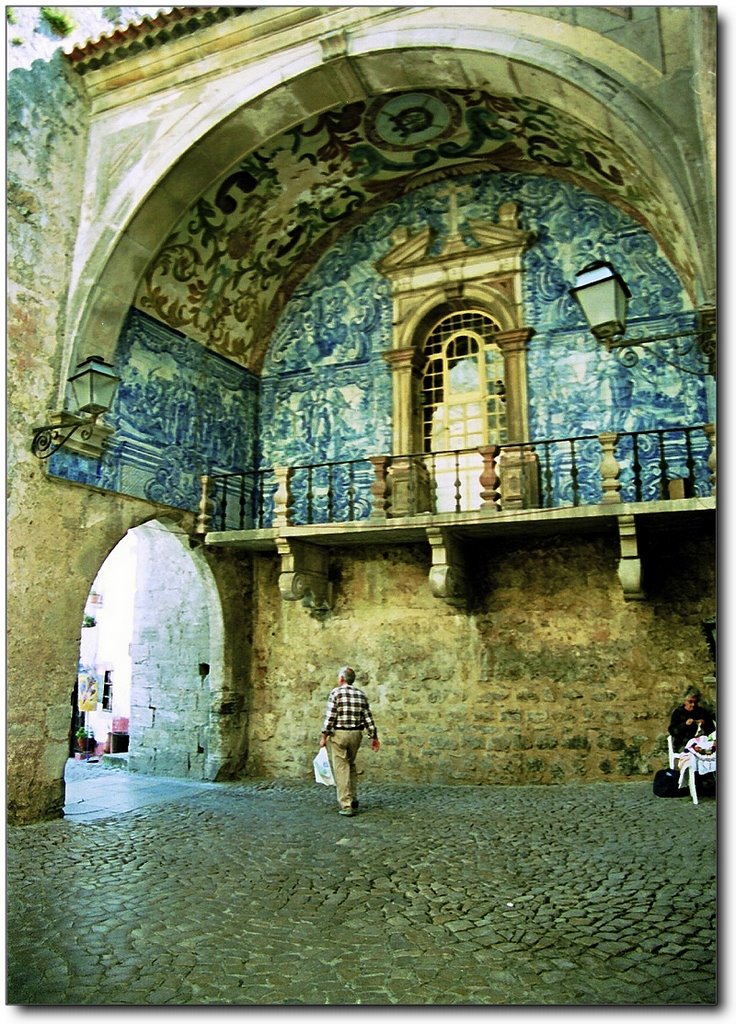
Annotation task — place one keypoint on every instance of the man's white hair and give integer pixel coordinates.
(348, 674)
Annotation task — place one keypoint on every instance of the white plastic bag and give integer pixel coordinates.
(322, 769)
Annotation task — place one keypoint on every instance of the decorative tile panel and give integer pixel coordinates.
(224, 274)
(325, 391)
(179, 411)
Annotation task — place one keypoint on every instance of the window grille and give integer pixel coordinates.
(463, 384)
(463, 402)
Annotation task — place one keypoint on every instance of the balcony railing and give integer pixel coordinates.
(595, 469)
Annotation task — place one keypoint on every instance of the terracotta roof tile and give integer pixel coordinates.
(169, 23)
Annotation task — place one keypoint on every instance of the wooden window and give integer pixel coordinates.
(463, 400)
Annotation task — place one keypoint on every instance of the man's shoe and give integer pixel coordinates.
(355, 805)
(348, 813)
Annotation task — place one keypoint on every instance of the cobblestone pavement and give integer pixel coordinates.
(260, 893)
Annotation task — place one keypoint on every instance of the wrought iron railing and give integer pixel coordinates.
(646, 465)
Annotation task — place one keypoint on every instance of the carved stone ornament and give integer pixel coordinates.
(629, 567)
(305, 575)
(447, 576)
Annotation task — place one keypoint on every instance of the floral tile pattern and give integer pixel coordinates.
(225, 273)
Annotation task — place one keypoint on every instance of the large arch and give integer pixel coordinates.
(239, 102)
(160, 128)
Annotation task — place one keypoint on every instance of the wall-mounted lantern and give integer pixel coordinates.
(603, 296)
(93, 388)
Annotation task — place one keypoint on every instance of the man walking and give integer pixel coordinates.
(348, 714)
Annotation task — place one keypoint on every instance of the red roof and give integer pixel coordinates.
(169, 23)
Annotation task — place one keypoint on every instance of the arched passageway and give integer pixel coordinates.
(152, 643)
(144, 134)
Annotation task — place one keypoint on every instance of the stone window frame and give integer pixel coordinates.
(427, 284)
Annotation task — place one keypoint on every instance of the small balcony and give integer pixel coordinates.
(609, 481)
(597, 469)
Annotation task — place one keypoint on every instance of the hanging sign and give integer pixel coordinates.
(87, 695)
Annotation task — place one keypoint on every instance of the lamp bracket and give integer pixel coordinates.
(621, 341)
(623, 348)
(82, 435)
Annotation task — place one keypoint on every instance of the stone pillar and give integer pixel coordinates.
(283, 499)
(406, 365)
(381, 487)
(411, 487)
(610, 470)
(710, 433)
(519, 472)
(203, 524)
(513, 345)
(489, 481)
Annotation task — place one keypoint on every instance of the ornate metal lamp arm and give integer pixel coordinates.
(49, 439)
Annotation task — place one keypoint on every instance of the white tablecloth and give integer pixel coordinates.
(700, 755)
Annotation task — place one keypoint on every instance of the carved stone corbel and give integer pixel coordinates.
(304, 574)
(447, 577)
(629, 566)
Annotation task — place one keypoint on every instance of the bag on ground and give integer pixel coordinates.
(322, 768)
(666, 783)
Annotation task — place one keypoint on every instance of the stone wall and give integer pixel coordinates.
(552, 677)
(47, 596)
(188, 695)
(41, 652)
(170, 654)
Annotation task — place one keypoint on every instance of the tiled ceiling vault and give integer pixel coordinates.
(224, 274)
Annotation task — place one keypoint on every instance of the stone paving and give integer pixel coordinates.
(259, 893)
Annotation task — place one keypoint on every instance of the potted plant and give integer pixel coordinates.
(85, 739)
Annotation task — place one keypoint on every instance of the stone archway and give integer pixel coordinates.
(145, 169)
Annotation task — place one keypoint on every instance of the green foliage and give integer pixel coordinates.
(10, 16)
(57, 20)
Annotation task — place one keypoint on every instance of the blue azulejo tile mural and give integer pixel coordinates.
(323, 403)
(179, 411)
(326, 395)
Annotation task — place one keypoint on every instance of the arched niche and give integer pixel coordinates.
(425, 285)
(148, 179)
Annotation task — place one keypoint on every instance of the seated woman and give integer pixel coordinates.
(689, 719)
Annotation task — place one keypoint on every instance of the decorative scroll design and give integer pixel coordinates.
(305, 575)
(447, 576)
